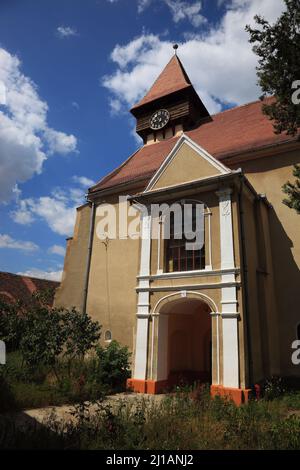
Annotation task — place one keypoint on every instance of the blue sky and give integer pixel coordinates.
(69, 72)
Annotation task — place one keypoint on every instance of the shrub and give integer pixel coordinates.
(43, 338)
(55, 336)
(12, 322)
(273, 388)
(113, 367)
(81, 334)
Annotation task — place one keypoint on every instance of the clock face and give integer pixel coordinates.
(159, 119)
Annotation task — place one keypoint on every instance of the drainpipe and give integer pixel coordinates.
(245, 277)
(89, 256)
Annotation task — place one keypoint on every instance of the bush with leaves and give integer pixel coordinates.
(43, 339)
(273, 387)
(82, 333)
(278, 51)
(53, 336)
(12, 321)
(113, 366)
(292, 190)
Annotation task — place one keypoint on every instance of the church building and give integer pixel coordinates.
(227, 311)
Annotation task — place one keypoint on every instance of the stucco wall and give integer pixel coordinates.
(70, 292)
(112, 297)
(267, 175)
(187, 165)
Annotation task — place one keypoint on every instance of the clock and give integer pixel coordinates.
(159, 119)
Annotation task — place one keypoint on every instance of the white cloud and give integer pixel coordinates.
(6, 241)
(25, 137)
(221, 64)
(66, 32)
(182, 10)
(58, 210)
(40, 274)
(22, 215)
(59, 142)
(83, 181)
(57, 250)
(143, 4)
(75, 105)
(2, 93)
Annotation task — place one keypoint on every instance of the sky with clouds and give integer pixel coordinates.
(69, 72)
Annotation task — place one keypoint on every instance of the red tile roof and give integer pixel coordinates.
(14, 287)
(172, 78)
(236, 130)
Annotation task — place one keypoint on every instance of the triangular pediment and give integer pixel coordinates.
(186, 162)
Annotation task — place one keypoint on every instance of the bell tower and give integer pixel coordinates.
(170, 106)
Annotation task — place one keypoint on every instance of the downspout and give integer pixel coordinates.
(245, 277)
(89, 256)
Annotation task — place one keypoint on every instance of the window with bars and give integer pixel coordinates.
(178, 257)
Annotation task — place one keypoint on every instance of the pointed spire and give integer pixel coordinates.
(173, 78)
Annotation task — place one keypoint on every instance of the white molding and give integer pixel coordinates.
(188, 287)
(143, 304)
(208, 300)
(229, 301)
(230, 352)
(226, 230)
(184, 139)
(140, 365)
(163, 331)
(159, 243)
(195, 273)
(230, 315)
(152, 346)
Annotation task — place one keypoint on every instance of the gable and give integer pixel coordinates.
(187, 162)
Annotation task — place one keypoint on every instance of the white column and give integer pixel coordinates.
(229, 295)
(141, 346)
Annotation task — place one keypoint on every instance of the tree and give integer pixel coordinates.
(53, 335)
(293, 191)
(278, 49)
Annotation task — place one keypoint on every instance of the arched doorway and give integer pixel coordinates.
(184, 353)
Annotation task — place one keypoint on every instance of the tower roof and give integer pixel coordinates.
(173, 78)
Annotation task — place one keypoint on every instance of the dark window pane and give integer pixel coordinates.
(177, 257)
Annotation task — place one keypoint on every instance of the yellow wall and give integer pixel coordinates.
(272, 238)
(187, 165)
(70, 292)
(267, 176)
(112, 297)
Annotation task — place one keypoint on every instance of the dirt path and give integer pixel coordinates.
(64, 413)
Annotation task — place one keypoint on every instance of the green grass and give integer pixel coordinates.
(177, 422)
(21, 388)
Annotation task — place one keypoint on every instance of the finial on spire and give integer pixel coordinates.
(175, 47)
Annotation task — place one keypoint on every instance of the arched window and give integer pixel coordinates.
(179, 256)
(107, 336)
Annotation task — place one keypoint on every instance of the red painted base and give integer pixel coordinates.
(148, 386)
(237, 395)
